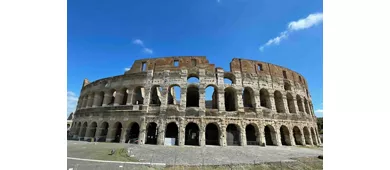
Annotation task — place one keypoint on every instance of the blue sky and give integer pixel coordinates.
(102, 36)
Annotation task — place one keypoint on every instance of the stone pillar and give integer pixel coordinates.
(243, 141)
(89, 101)
(118, 98)
(272, 99)
(97, 134)
(202, 101)
(221, 99)
(278, 138)
(303, 139)
(291, 135)
(296, 105)
(285, 104)
(222, 138)
(181, 135)
(256, 94)
(160, 133)
(129, 97)
(142, 132)
(240, 103)
(88, 134)
(202, 137)
(123, 135)
(96, 100)
(262, 136)
(107, 99)
(183, 98)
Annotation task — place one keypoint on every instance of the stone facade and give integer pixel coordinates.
(265, 104)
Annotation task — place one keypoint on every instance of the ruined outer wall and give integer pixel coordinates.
(94, 102)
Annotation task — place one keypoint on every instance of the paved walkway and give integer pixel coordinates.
(195, 155)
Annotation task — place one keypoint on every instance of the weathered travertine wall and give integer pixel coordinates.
(265, 102)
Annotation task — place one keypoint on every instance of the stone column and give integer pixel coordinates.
(123, 135)
(96, 100)
(202, 101)
(202, 134)
(256, 94)
(183, 98)
(88, 133)
(222, 138)
(181, 135)
(97, 134)
(243, 141)
(221, 99)
(262, 136)
(118, 98)
(303, 139)
(278, 138)
(107, 99)
(160, 133)
(296, 105)
(129, 97)
(291, 135)
(142, 132)
(240, 104)
(89, 101)
(285, 104)
(272, 99)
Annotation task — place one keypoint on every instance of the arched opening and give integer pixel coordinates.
(138, 95)
(101, 98)
(118, 132)
(125, 93)
(287, 86)
(264, 99)
(297, 136)
(248, 97)
(251, 135)
(83, 130)
(290, 103)
(172, 131)
(174, 92)
(279, 102)
(132, 133)
(112, 98)
(212, 134)
(232, 135)
(306, 106)
(151, 137)
(103, 132)
(192, 134)
(211, 97)
(285, 135)
(270, 135)
(229, 78)
(155, 95)
(299, 101)
(306, 133)
(230, 99)
(192, 96)
(192, 79)
(313, 137)
(92, 130)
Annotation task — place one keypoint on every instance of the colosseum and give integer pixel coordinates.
(255, 103)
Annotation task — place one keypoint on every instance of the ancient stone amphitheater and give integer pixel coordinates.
(255, 103)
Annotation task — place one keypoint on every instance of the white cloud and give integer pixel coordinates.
(319, 111)
(72, 102)
(148, 51)
(138, 42)
(127, 68)
(309, 21)
(301, 24)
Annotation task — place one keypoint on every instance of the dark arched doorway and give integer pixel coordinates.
(118, 132)
(171, 131)
(132, 133)
(212, 134)
(232, 135)
(251, 135)
(151, 137)
(192, 134)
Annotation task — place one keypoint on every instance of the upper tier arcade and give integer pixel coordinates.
(264, 87)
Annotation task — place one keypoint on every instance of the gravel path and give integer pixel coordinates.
(195, 155)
